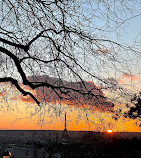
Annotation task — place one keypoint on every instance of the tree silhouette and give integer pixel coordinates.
(66, 41)
(135, 111)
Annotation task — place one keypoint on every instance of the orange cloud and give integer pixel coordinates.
(27, 99)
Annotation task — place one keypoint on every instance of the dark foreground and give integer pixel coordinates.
(60, 144)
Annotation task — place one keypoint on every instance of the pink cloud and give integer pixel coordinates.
(2, 93)
(103, 51)
(92, 96)
(95, 100)
(128, 77)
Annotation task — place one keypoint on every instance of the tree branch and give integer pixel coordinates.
(25, 48)
(15, 83)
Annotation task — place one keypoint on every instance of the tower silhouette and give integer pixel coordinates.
(65, 135)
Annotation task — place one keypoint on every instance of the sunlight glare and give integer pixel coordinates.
(109, 131)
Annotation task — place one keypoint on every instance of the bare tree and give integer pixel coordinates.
(57, 46)
(134, 111)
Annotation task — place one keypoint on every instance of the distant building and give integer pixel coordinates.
(30, 152)
(7, 154)
(65, 135)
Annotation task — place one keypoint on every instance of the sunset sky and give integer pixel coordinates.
(18, 112)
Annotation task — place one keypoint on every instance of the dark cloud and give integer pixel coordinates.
(92, 96)
(114, 82)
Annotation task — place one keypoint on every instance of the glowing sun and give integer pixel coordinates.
(109, 131)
